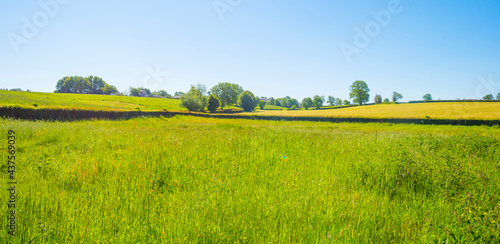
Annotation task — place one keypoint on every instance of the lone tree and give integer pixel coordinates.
(386, 100)
(262, 104)
(193, 100)
(227, 92)
(331, 100)
(498, 96)
(359, 92)
(247, 101)
(307, 103)
(378, 99)
(488, 97)
(396, 96)
(318, 101)
(427, 97)
(213, 103)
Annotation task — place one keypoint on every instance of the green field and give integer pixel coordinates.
(87, 101)
(198, 180)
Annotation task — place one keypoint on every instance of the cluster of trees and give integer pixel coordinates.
(221, 95)
(335, 101)
(89, 85)
(490, 97)
(286, 102)
(141, 91)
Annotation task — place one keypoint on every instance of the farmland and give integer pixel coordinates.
(188, 179)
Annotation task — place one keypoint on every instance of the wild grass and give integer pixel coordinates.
(189, 180)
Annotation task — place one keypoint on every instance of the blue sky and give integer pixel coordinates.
(273, 48)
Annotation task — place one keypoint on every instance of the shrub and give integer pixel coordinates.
(213, 103)
(247, 101)
(262, 104)
(193, 100)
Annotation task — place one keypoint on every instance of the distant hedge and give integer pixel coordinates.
(455, 101)
(64, 114)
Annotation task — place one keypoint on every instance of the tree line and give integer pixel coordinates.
(88, 85)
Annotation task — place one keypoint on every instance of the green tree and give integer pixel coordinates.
(247, 101)
(271, 101)
(359, 92)
(262, 104)
(498, 96)
(163, 93)
(307, 103)
(178, 94)
(317, 101)
(378, 99)
(338, 102)
(488, 97)
(134, 92)
(202, 88)
(331, 100)
(109, 89)
(396, 96)
(347, 102)
(228, 93)
(427, 97)
(194, 100)
(386, 100)
(213, 103)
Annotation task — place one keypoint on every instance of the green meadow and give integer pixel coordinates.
(198, 180)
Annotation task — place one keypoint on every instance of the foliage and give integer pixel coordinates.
(386, 100)
(228, 93)
(498, 96)
(139, 92)
(202, 88)
(262, 104)
(194, 100)
(427, 97)
(488, 97)
(178, 94)
(247, 101)
(213, 103)
(287, 102)
(396, 96)
(318, 101)
(78, 84)
(109, 89)
(359, 92)
(332, 101)
(307, 102)
(378, 99)
(347, 102)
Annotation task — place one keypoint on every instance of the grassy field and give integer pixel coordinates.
(87, 101)
(478, 110)
(198, 180)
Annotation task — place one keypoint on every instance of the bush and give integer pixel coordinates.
(213, 103)
(294, 107)
(247, 101)
(262, 104)
(193, 100)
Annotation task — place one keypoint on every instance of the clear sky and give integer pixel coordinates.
(277, 48)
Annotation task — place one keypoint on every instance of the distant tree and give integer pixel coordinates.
(396, 96)
(317, 102)
(427, 97)
(498, 96)
(307, 102)
(331, 100)
(202, 88)
(359, 92)
(163, 93)
(271, 101)
(378, 99)
(347, 102)
(247, 101)
(386, 100)
(178, 94)
(108, 89)
(293, 107)
(488, 97)
(213, 103)
(294, 102)
(262, 104)
(339, 102)
(228, 93)
(134, 92)
(193, 100)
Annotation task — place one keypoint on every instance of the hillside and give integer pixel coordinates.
(87, 101)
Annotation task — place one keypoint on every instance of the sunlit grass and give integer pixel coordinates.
(188, 179)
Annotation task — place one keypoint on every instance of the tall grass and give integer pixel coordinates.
(186, 179)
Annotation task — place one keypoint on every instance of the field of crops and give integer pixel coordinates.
(188, 179)
(457, 110)
(87, 101)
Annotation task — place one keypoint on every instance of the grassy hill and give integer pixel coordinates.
(87, 101)
(472, 110)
